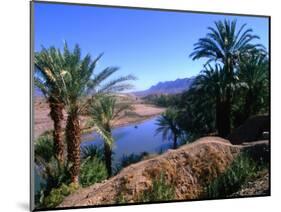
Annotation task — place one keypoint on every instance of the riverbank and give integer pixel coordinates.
(43, 122)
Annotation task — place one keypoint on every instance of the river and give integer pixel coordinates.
(133, 139)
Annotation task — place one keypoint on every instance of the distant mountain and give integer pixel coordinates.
(168, 87)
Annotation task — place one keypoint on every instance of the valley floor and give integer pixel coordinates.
(43, 122)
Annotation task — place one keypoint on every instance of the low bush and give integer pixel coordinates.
(54, 174)
(44, 148)
(127, 160)
(57, 195)
(92, 151)
(241, 169)
(160, 191)
(93, 170)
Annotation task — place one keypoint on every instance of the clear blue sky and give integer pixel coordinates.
(152, 45)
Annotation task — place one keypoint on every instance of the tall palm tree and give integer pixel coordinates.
(212, 81)
(226, 45)
(169, 127)
(254, 73)
(104, 112)
(80, 82)
(48, 79)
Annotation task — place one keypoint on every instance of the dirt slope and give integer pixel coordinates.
(189, 168)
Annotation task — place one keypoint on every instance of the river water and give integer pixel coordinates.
(133, 139)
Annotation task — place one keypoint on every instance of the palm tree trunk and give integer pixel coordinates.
(175, 142)
(248, 105)
(225, 120)
(56, 113)
(218, 116)
(108, 153)
(107, 156)
(73, 144)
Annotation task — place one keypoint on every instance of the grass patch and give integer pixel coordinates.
(160, 191)
(241, 169)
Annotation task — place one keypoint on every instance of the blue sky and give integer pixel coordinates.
(152, 45)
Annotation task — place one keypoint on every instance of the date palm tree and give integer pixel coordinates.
(48, 79)
(254, 72)
(104, 112)
(72, 82)
(212, 82)
(227, 45)
(169, 127)
(80, 83)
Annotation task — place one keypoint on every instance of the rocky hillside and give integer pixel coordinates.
(188, 168)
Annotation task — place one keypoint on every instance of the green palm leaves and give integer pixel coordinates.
(168, 126)
(212, 80)
(225, 43)
(49, 79)
(104, 111)
(255, 76)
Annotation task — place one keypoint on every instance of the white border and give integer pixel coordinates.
(14, 104)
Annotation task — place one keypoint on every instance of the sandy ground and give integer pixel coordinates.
(43, 122)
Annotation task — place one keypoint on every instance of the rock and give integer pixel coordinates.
(188, 169)
(255, 128)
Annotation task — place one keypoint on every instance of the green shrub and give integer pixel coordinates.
(241, 169)
(127, 160)
(44, 148)
(92, 171)
(53, 199)
(160, 191)
(57, 195)
(92, 151)
(54, 174)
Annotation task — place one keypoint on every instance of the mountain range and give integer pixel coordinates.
(168, 87)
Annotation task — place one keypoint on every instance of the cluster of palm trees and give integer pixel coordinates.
(233, 86)
(70, 84)
(229, 49)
